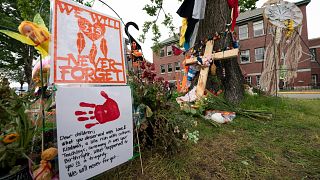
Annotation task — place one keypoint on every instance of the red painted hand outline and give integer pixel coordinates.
(108, 111)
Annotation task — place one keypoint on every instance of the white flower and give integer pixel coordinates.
(176, 129)
(185, 136)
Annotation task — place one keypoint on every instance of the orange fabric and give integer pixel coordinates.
(184, 87)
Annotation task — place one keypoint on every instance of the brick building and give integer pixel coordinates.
(253, 39)
(314, 46)
(167, 64)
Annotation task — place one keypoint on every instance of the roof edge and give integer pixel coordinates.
(312, 39)
(166, 42)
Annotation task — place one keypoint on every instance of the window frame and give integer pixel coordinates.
(175, 66)
(245, 62)
(162, 67)
(316, 79)
(245, 78)
(254, 30)
(255, 54)
(313, 52)
(258, 78)
(160, 54)
(169, 51)
(168, 68)
(247, 33)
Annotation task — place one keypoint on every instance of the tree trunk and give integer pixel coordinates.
(217, 16)
(28, 65)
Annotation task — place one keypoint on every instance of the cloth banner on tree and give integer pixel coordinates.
(94, 129)
(87, 46)
(193, 11)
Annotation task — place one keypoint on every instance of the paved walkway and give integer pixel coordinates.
(301, 94)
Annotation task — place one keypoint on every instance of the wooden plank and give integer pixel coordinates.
(202, 81)
(216, 56)
(191, 61)
(226, 54)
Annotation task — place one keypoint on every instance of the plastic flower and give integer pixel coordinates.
(176, 129)
(10, 138)
(185, 136)
(195, 123)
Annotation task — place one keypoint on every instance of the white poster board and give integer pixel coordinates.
(94, 129)
(86, 46)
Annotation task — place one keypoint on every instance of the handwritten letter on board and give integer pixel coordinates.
(94, 129)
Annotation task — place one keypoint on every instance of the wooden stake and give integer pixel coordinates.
(139, 150)
(202, 81)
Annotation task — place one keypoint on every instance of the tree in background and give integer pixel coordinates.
(16, 58)
(217, 16)
(246, 5)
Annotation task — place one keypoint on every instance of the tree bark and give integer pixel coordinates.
(29, 56)
(217, 16)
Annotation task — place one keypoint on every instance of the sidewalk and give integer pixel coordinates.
(300, 92)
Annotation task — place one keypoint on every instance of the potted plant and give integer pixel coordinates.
(16, 133)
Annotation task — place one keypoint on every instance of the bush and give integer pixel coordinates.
(16, 129)
(160, 122)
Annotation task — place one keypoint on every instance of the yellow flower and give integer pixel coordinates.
(10, 138)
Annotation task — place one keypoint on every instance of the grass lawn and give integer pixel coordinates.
(287, 147)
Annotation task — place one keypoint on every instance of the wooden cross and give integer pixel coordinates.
(202, 81)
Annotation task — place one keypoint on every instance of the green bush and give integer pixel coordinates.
(16, 130)
(160, 122)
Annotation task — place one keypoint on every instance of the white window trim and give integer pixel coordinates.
(164, 53)
(315, 55)
(176, 66)
(258, 22)
(247, 34)
(316, 79)
(169, 51)
(168, 68)
(249, 78)
(304, 70)
(161, 69)
(258, 81)
(258, 60)
(245, 62)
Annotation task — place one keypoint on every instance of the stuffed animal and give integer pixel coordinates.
(44, 172)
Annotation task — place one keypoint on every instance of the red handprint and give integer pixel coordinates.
(108, 111)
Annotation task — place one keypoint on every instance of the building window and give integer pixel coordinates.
(313, 53)
(314, 79)
(169, 68)
(245, 56)
(258, 28)
(259, 54)
(243, 32)
(248, 79)
(162, 69)
(162, 53)
(169, 50)
(258, 80)
(177, 66)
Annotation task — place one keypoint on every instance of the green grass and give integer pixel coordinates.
(287, 147)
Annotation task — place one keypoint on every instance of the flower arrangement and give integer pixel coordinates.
(160, 122)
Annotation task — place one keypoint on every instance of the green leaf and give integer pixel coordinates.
(18, 37)
(39, 21)
(149, 112)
